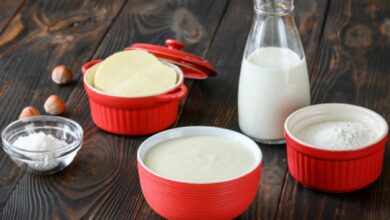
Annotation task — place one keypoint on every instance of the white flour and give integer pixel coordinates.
(338, 135)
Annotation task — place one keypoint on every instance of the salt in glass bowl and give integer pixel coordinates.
(43, 161)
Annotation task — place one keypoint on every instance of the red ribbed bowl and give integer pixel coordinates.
(184, 200)
(132, 115)
(334, 170)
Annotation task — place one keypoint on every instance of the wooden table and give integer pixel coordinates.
(347, 45)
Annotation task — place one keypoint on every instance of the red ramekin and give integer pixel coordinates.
(184, 200)
(335, 170)
(132, 115)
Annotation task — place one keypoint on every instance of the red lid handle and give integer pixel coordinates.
(173, 44)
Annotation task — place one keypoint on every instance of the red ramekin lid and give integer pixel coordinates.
(193, 67)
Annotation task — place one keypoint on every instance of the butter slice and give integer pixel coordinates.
(134, 73)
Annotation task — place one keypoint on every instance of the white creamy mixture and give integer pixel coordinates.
(199, 159)
(273, 83)
(338, 135)
(40, 142)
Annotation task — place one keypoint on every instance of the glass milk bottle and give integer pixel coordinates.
(274, 80)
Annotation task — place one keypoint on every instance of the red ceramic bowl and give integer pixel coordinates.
(185, 200)
(132, 115)
(335, 170)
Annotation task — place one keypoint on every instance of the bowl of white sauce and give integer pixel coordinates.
(199, 172)
(335, 147)
(42, 144)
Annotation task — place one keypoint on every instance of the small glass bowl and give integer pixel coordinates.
(45, 161)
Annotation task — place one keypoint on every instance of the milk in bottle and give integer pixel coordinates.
(274, 79)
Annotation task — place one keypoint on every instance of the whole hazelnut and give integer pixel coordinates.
(61, 75)
(29, 111)
(54, 105)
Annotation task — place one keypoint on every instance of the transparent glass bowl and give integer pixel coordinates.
(45, 161)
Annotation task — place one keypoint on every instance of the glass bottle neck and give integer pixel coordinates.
(273, 7)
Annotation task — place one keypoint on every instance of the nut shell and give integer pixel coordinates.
(61, 75)
(29, 111)
(54, 105)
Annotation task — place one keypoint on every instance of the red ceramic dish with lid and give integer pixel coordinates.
(174, 199)
(134, 115)
(335, 170)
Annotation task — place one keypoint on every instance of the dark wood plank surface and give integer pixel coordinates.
(45, 34)
(346, 44)
(8, 10)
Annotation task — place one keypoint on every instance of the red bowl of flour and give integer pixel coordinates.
(335, 170)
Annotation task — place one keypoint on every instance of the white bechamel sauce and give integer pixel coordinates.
(273, 83)
(199, 159)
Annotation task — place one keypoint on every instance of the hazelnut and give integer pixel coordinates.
(29, 111)
(54, 105)
(61, 75)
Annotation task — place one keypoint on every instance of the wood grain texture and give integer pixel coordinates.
(351, 66)
(102, 182)
(40, 36)
(214, 101)
(7, 11)
(153, 21)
